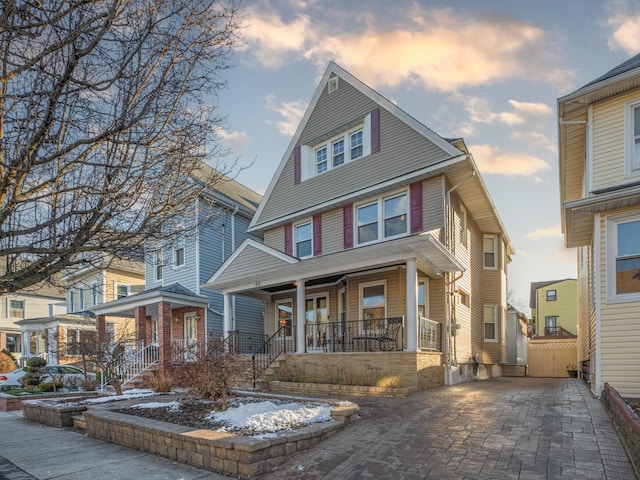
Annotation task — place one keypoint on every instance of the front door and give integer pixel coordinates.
(190, 336)
(316, 320)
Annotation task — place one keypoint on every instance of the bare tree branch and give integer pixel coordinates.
(105, 119)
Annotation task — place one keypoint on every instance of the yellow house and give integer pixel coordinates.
(599, 167)
(56, 337)
(554, 308)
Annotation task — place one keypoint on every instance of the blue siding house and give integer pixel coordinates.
(173, 311)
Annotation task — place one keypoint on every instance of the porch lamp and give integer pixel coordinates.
(177, 319)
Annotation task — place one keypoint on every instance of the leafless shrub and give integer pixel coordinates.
(160, 382)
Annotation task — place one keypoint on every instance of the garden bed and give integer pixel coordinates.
(11, 402)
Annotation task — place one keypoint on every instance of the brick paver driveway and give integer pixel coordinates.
(504, 428)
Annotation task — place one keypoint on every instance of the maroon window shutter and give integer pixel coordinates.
(375, 130)
(416, 207)
(288, 239)
(297, 156)
(347, 223)
(317, 235)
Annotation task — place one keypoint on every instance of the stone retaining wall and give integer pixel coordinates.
(626, 422)
(337, 390)
(50, 414)
(217, 451)
(11, 402)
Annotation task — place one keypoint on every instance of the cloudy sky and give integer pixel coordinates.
(488, 71)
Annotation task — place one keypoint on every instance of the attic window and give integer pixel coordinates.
(333, 84)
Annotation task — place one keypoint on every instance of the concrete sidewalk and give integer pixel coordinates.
(505, 428)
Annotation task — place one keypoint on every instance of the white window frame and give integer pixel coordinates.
(81, 299)
(424, 281)
(295, 237)
(158, 265)
(611, 243)
(308, 153)
(495, 322)
(117, 285)
(94, 293)
(180, 245)
(71, 304)
(631, 166)
(277, 319)
(11, 310)
(495, 252)
(381, 217)
(361, 288)
(462, 227)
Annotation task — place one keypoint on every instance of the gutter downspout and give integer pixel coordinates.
(233, 248)
(449, 281)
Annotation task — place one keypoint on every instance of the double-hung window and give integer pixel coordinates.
(490, 320)
(178, 253)
(338, 152)
(303, 240)
(623, 258)
(632, 167)
(16, 308)
(384, 218)
(159, 265)
(94, 294)
(552, 295)
(81, 299)
(490, 251)
(122, 290)
(321, 160)
(357, 149)
(71, 301)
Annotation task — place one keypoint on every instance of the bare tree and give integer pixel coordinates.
(105, 118)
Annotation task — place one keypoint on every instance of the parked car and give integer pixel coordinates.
(67, 373)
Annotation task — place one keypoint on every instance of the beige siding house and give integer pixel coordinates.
(599, 154)
(382, 250)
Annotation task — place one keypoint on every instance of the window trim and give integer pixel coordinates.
(630, 168)
(361, 287)
(81, 299)
(611, 243)
(94, 293)
(158, 265)
(179, 245)
(71, 304)
(495, 322)
(427, 307)
(381, 217)
(116, 285)
(555, 295)
(10, 308)
(295, 237)
(495, 252)
(279, 302)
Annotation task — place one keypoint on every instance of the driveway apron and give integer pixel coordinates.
(504, 428)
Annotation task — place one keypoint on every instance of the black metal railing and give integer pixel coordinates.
(367, 335)
(279, 343)
(244, 342)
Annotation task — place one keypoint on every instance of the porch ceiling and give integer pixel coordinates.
(430, 254)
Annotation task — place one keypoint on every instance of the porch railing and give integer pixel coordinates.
(430, 335)
(136, 359)
(558, 332)
(244, 342)
(272, 348)
(366, 335)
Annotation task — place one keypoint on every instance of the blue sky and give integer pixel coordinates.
(488, 71)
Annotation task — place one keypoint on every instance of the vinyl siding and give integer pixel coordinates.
(251, 260)
(609, 126)
(620, 335)
(433, 203)
(332, 231)
(274, 238)
(117, 277)
(575, 153)
(402, 150)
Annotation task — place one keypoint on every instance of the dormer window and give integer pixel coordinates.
(356, 145)
(332, 153)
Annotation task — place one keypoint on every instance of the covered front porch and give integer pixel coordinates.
(170, 325)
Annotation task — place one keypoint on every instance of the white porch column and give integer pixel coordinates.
(411, 319)
(300, 318)
(226, 319)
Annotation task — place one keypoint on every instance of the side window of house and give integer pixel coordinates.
(81, 299)
(632, 163)
(16, 308)
(178, 254)
(303, 242)
(71, 300)
(122, 290)
(490, 251)
(159, 265)
(384, 218)
(94, 293)
(551, 325)
(490, 320)
(551, 296)
(284, 316)
(623, 255)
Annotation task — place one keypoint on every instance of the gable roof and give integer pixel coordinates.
(226, 188)
(535, 286)
(333, 69)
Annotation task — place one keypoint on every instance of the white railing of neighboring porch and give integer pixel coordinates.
(135, 360)
(430, 335)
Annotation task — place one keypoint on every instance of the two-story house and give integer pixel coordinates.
(382, 250)
(58, 336)
(173, 314)
(599, 160)
(554, 308)
(40, 300)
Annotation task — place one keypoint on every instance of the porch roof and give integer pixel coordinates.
(269, 267)
(82, 318)
(176, 294)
